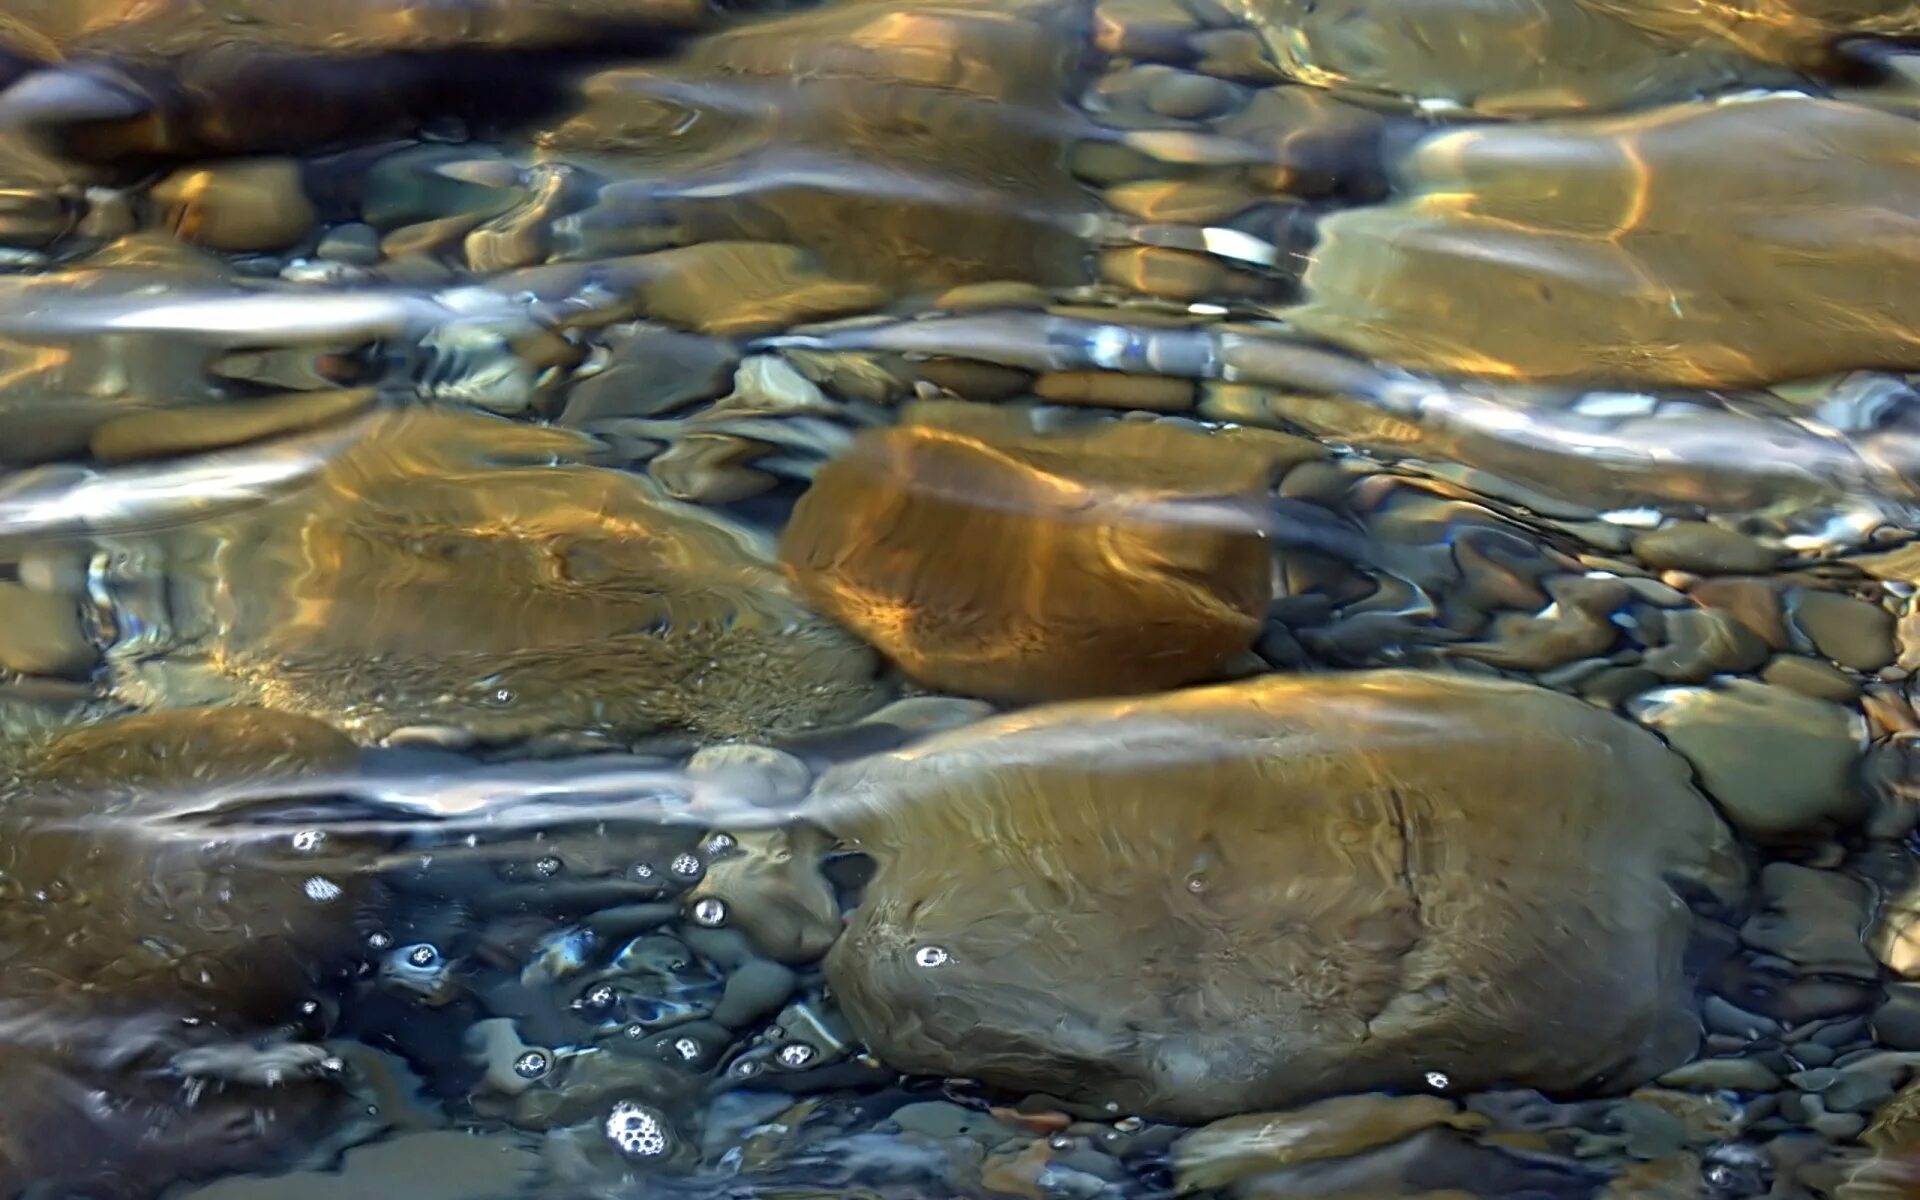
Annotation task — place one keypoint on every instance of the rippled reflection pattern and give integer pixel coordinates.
(1055, 599)
(491, 595)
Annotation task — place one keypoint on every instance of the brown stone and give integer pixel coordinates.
(1691, 245)
(1372, 876)
(246, 204)
(987, 559)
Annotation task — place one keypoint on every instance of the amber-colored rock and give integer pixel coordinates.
(1239, 897)
(455, 570)
(1697, 245)
(987, 559)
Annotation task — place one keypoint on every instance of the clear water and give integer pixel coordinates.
(1040, 599)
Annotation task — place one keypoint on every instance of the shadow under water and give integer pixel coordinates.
(1054, 599)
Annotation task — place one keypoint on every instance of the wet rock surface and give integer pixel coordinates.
(1123, 559)
(529, 531)
(1315, 815)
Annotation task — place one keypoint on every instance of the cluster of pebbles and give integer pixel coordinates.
(1060, 599)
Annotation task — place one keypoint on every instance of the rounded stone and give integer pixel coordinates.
(1778, 762)
(1396, 874)
(98, 907)
(1698, 546)
(1852, 632)
(242, 205)
(988, 559)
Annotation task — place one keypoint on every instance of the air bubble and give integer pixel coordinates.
(1437, 1080)
(746, 1068)
(320, 889)
(710, 912)
(378, 941)
(308, 840)
(547, 867)
(795, 1055)
(642, 871)
(931, 956)
(638, 1131)
(719, 844)
(598, 998)
(531, 1065)
(686, 866)
(423, 956)
(686, 1048)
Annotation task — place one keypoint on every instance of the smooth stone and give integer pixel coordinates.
(1754, 603)
(651, 371)
(249, 923)
(1811, 677)
(441, 1164)
(1701, 643)
(1779, 763)
(40, 634)
(194, 428)
(1896, 1022)
(729, 289)
(753, 992)
(774, 892)
(1115, 389)
(238, 205)
(1187, 96)
(1815, 919)
(751, 774)
(352, 242)
(1504, 58)
(1320, 919)
(1699, 546)
(505, 588)
(1231, 1149)
(1716, 1074)
(987, 559)
(1722, 262)
(1852, 632)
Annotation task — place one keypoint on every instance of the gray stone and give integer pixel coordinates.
(1814, 919)
(1714, 1074)
(1896, 1022)
(1778, 762)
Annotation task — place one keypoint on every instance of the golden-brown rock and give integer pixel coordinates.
(1696, 245)
(248, 204)
(987, 559)
(103, 908)
(1244, 896)
(455, 570)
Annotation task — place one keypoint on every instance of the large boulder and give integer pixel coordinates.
(1239, 897)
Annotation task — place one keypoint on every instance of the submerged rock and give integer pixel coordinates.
(1250, 895)
(1690, 245)
(985, 558)
(1778, 762)
(446, 571)
(103, 905)
(1231, 1149)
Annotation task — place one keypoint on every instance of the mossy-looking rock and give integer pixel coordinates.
(1240, 897)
